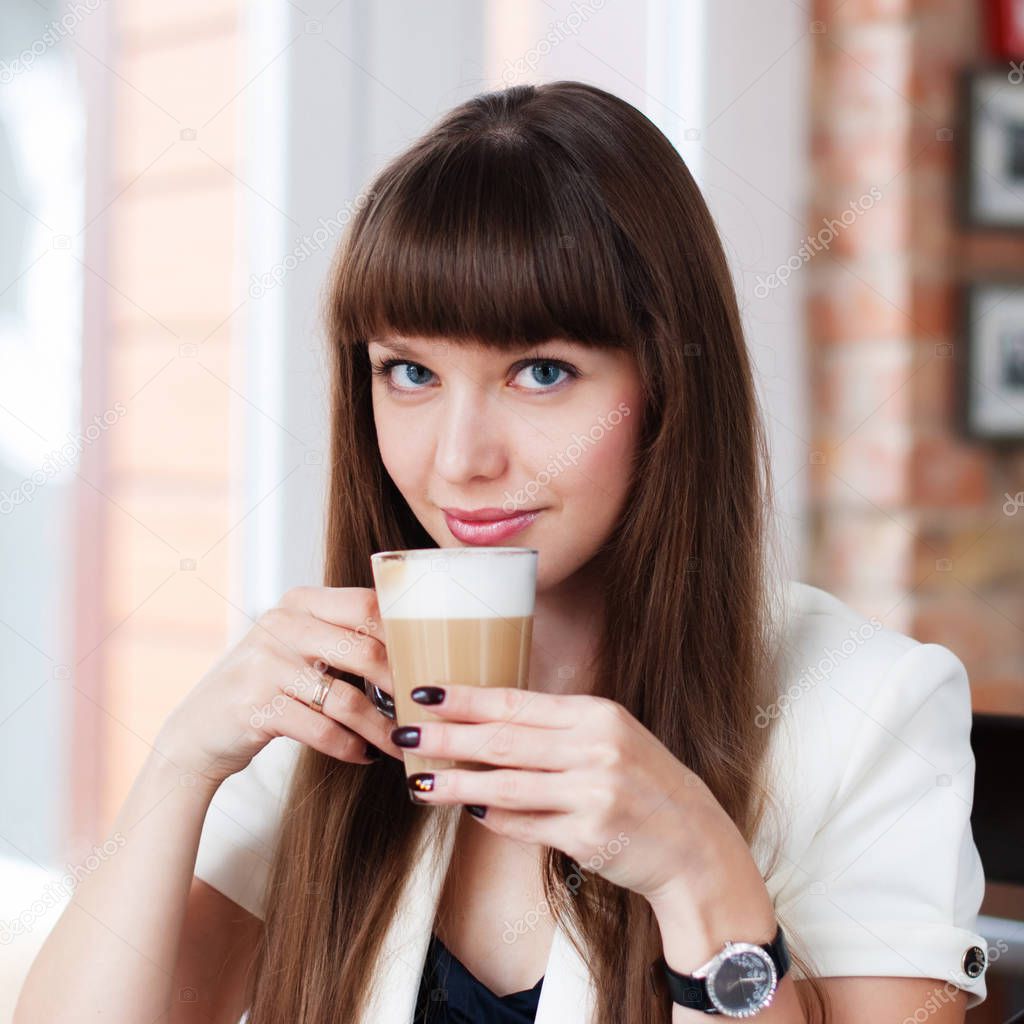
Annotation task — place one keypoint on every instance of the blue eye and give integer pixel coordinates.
(549, 365)
(383, 369)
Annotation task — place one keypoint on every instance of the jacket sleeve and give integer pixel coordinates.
(240, 831)
(891, 882)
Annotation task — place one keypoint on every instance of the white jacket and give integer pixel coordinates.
(870, 759)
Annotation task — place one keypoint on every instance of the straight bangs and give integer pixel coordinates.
(487, 239)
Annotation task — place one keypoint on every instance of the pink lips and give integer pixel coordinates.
(486, 525)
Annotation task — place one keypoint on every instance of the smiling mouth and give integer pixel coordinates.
(488, 515)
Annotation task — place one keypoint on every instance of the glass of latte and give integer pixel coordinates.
(454, 616)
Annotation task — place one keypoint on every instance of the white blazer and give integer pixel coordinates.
(870, 762)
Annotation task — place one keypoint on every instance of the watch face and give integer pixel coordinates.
(743, 982)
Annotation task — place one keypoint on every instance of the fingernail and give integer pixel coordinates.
(428, 694)
(421, 782)
(406, 736)
(382, 702)
(476, 810)
(374, 752)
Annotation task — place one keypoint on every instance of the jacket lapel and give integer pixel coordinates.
(566, 996)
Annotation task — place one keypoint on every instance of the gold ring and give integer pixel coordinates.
(320, 694)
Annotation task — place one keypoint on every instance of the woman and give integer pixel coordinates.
(532, 310)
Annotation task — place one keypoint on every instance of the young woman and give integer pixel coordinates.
(532, 312)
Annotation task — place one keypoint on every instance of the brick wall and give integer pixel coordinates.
(907, 515)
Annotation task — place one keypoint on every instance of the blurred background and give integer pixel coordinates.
(173, 181)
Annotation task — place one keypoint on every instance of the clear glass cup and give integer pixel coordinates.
(454, 616)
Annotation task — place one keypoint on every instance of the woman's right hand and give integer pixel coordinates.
(263, 686)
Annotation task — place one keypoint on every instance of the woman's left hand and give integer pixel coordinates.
(578, 773)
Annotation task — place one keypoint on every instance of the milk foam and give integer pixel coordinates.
(452, 585)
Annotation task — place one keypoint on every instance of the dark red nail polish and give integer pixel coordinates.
(383, 702)
(428, 694)
(421, 782)
(476, 810)
(406, 736)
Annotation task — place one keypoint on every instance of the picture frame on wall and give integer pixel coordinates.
(990, 147)
(991, 360)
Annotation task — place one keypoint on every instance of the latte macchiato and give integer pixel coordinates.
(454, 616)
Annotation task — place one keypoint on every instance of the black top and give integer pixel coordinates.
(449, 994)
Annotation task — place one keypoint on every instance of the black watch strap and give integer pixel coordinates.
(692, 992)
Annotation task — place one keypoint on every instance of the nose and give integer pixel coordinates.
(471, 439)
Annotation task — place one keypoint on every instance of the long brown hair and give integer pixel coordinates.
(528, 213)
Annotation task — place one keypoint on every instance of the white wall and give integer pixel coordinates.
(756, 179)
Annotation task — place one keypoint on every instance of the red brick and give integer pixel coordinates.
(949, 473)
(995, 250)
(870, 65)
(884, 96)
(931, 387)
(865, 387)
(985, 553)
(861, 223)
(864, 551)
(866, 471)
(933, 306)
(960, 622)
(844, 12)
(852, 305)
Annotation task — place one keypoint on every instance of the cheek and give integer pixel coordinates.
(598, 456)
(611, 457)
(398, 450)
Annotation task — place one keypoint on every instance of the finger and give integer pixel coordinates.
(504, 703)
(384, 679)
(343, 606)
(384, 684)
(352, 607)
(348, 705)
(340, 647)
(513, 789)
(543, 828)
(292, 718)
(497, 743)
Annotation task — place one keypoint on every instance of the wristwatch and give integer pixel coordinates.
(738, 981)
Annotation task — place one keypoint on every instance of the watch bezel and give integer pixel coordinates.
(732, 949)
